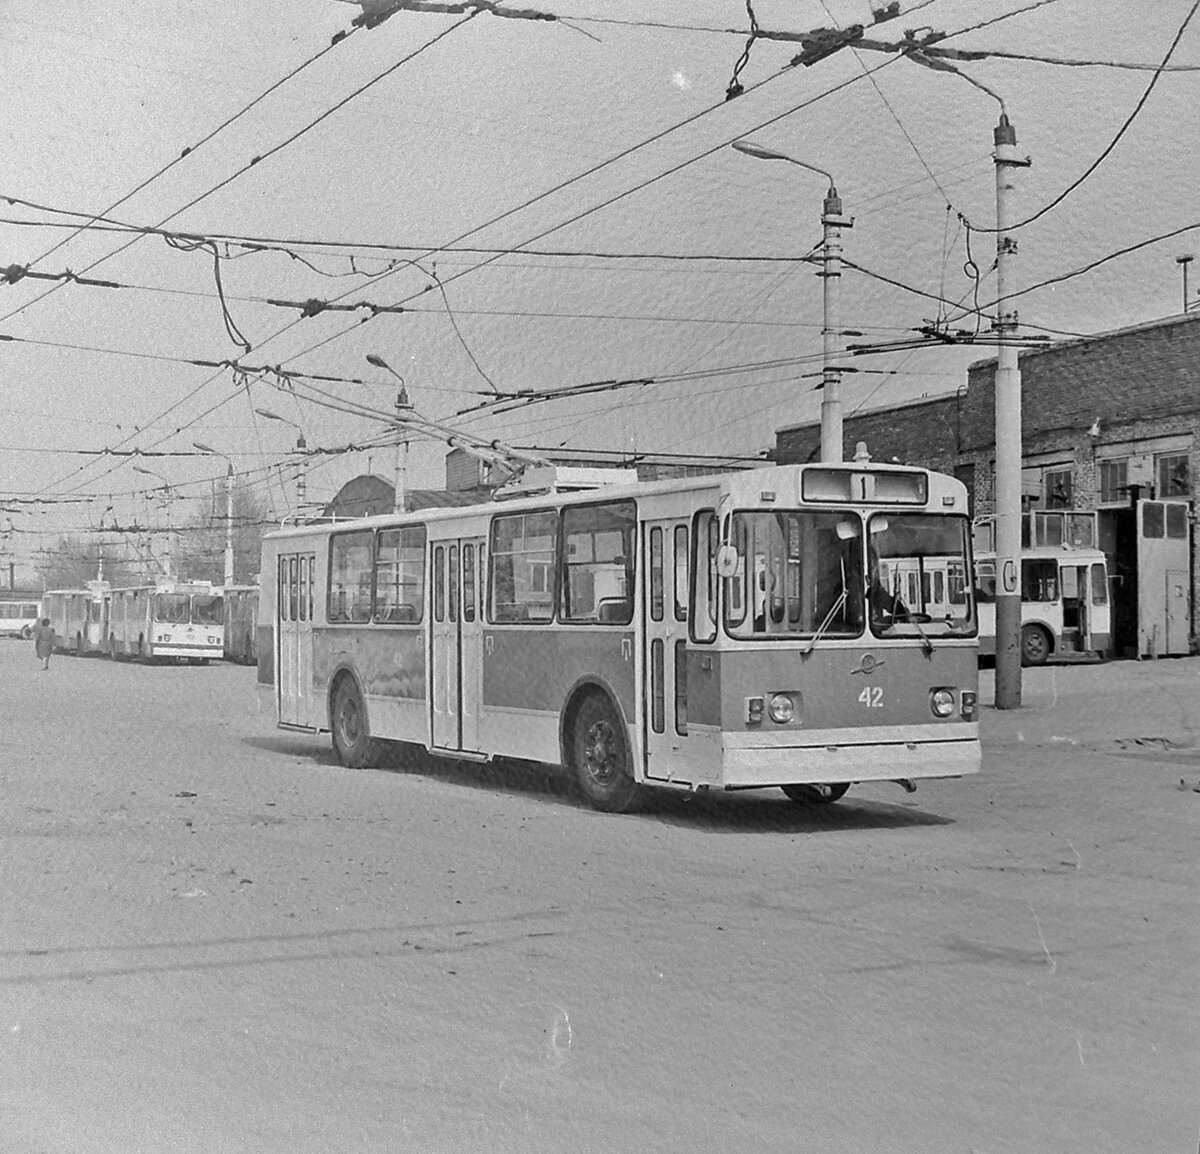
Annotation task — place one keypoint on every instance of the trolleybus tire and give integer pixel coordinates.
(599, 757)
(26, 632)
(816, 794)
(1035, 645)
(352, 742)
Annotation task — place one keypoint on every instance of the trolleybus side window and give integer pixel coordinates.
(350, 562)
(522, 566)
(706, 538)
(453, 578)
(283, 589)
(400, 575)
(681, 573)
(439, 583)
(293, 590)
(597, 563)
(468, 579)
(1099, 585)
(656, 586)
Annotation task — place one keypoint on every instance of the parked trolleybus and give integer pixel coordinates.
(17, 618)
(79, 617)
(181, 620)
(241, 622)
(1065, 610)
(708, 633)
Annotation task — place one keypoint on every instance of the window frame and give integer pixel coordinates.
(334, 538)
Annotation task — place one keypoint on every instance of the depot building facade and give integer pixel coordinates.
(1110, 426)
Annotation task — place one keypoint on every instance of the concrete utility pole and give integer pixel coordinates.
(301, 449)
(169, 498)
(228, 508)
(1007, 496)
(832, 439)
(229, 524)
(403, 408)
(832, 223)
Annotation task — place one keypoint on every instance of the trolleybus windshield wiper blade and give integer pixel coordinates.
(821, 629)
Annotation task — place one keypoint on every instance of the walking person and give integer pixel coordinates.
(43, 641)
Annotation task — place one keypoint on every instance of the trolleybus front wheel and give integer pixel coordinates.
(599, 752)
(351, 734)
(1035, 645)
(816, 794)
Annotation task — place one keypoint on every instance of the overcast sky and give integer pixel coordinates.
(600, 135)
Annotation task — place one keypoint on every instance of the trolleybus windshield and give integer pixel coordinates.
(918, 575)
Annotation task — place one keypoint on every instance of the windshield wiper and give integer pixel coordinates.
(821, 629)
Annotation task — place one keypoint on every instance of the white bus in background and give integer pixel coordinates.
(1065, 610)
(79, 617)
(172, 620)
(17, 618)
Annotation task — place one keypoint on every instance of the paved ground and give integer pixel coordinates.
(215, 939)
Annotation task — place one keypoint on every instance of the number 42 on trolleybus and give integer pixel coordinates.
(713, 633)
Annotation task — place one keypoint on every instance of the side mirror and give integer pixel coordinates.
(727, 561)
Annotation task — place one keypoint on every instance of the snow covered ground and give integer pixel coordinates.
(217, 940)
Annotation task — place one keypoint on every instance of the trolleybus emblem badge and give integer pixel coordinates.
(868, 664)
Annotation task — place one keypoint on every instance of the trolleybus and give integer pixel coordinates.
(710, 633)
(1065, 609)
(241, 622)
(180, 620)
(79, 617)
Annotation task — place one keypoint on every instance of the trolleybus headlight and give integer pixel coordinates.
(968, 705)
(941, 701)
(781, 709)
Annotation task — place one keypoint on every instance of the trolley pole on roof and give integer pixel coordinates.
(1007, 496)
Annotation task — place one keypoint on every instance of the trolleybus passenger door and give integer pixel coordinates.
(294, 630)
(456, 638)
(664, 664)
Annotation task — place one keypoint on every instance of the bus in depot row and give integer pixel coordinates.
(170, 620)
(79, 617)
(708, 633)
(1065, 609)
(18, 616)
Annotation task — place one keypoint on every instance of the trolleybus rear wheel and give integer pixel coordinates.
(599, 752)
(351, 734)
(1035, 645)
(816, 794)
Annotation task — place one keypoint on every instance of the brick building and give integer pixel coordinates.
(1107, 421)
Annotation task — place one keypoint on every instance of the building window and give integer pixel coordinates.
(1114, 481)
(1172, 474)
(1056, 485)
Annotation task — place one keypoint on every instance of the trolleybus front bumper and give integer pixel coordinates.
(758, 759)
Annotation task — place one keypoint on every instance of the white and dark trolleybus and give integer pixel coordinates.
(712, 633)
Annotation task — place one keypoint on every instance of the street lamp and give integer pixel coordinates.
(228, 507)
(301, 446)
(832, 223)
(170, 497)
(400, 483)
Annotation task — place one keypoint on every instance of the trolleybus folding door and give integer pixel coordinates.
(294, 630)
(664, 662)
(456, 640)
